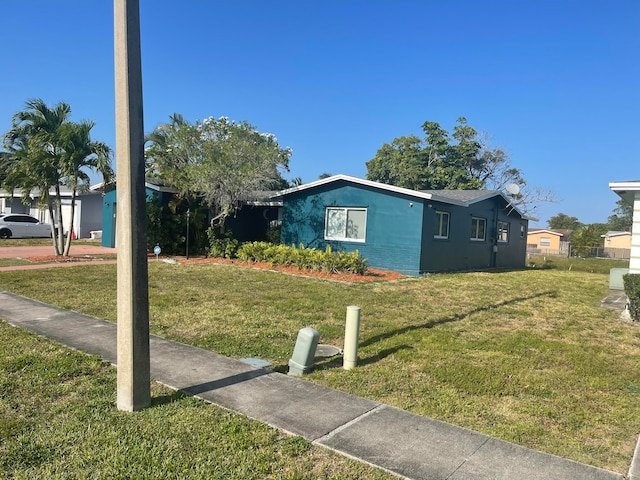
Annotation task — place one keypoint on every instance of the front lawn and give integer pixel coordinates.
(58, 421)
(527, 356)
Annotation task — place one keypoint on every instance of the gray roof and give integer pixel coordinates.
(456, 197)
(463, 196)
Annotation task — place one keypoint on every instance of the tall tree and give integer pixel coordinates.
(562, 221)
(41, 151)
(79, 154)
(222, 161)
(465, 160)
(622, 217)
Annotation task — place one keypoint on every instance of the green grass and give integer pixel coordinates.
(527, 356)
(58, 421)
(591, 265)
(44, 242)
(11, 262)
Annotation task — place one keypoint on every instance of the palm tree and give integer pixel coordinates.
(33, 142)
(44, 150)
(79, 152)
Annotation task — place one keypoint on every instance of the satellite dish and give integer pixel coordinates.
(513, 189)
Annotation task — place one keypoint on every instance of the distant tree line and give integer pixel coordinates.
(586, 236)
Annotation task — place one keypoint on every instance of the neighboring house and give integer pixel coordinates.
(545, 241)
(153, 188)
(630, 192)
(617, 244)
(87, 213)
(614, 239)
(404, 230)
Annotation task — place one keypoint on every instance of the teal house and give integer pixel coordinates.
(408, 231)
(154, 189)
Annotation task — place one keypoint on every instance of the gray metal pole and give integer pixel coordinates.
(134, 389)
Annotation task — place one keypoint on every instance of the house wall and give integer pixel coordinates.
(534, 240)
(634, 261)
(460, 252)
(393, 229)
(91, 215)
(618, 241)
(252, 222)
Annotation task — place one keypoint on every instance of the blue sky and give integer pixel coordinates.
(555, 83)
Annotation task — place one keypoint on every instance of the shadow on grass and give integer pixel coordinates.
(166, 399)
(453, 318)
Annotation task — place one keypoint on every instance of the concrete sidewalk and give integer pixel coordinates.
(408, 445)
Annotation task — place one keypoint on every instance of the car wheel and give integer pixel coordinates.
(5, 233)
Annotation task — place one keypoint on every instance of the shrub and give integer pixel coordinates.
(164, 228)
(303, 258)
(632, 290)
(222, 245)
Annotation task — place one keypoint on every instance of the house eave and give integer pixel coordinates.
(626, 190)
(358, 181)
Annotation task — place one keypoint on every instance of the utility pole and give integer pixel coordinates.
(133, 362)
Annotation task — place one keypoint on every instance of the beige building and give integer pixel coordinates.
(548, 241)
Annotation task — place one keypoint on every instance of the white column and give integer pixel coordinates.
(134, 389)
(634, 262)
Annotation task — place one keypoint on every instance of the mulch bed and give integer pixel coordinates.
(61, 259)
(372, 275)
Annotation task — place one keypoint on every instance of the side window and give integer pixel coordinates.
(545, 241)
(503, 232)
(442, 225)
(346, 224)
(30, 220)
(478, 228)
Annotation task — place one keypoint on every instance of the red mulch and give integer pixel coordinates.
(61, 259)
(372, 275)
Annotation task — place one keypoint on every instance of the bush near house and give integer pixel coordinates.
(632, 290)
(304, 258)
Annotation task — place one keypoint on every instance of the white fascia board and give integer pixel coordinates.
(534, 231)
(626, 189)
(358, 181)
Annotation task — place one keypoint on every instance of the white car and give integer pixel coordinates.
(17, 225)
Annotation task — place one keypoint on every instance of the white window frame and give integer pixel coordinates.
(440, 215)
(344, 237)
(475, 223)
(545, 241)
(503, 232)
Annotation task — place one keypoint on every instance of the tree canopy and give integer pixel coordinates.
(219, 160)
(562, 221)
(463, 160)
(622, 217)
(45, 150)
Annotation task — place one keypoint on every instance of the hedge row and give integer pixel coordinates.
(632, 291)
(303, 258)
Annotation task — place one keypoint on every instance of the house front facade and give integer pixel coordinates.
(87, 215)
(542, 241)
(409, 231)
